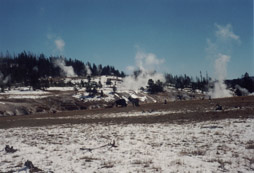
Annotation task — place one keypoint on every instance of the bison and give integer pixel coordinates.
(120, 102)
(134, 101)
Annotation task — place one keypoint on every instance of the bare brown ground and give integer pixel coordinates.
(195, 110)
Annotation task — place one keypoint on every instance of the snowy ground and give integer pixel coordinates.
(118, 115)
(211, 146)
(23, 93)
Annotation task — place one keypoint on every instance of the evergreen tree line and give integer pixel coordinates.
(204, 83)
(245, 81)
(184, 81)
(27, 68)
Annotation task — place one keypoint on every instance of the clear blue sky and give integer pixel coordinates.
(112, 31)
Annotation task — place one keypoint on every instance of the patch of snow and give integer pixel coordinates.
(122, 114)
(86, 98)
(60, 88)
(152, 99)
(24, 92)
(198, 91)
(26, 97)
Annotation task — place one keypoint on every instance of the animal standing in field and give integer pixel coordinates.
(134, 101)
(120, 102)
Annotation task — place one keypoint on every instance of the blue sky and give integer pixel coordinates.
(178, 33)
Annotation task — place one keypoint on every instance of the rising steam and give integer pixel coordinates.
(88, 70)
(220, 88)
(59, 44)
(146, 64)
(67, 71)
(244, 91)
(216, 50)
(4, 80)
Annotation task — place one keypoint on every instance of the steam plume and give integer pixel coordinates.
(88, 71)
(220, 88)
(146, 64)
(224, 39)
(60, 44)
(4, 80)
(66, 70)
(243, 91)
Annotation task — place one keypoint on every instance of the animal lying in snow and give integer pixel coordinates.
(29, 166)
(9, 149)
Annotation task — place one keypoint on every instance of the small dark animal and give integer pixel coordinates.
(218, 107)
(179, 97)
(29, 164)
(31, 167)
(9, 149)
(113, 144)
(134, 101)
(120, 102)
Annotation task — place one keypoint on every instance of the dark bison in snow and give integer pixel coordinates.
(120, 102)
(134, 101)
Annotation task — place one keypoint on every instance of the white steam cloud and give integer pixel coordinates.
(243, 91)
(4, 80)
(60, 44)
(67, 71)
(220, 67)
(226, 33)
(224, 37)
(220, 88)
(146, 63)
(88, 70)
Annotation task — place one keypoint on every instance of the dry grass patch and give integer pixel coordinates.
(88, 159)
(198, 152)
(15, 156)
(250, 144)
(107, 164)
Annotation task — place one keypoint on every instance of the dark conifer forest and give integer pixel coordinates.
(25, 68)
(28, 69)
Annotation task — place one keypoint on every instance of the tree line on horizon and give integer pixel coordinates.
(27, 69)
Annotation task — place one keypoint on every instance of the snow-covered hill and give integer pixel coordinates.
(23, 100)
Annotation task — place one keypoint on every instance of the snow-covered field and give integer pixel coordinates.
(211, 146)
